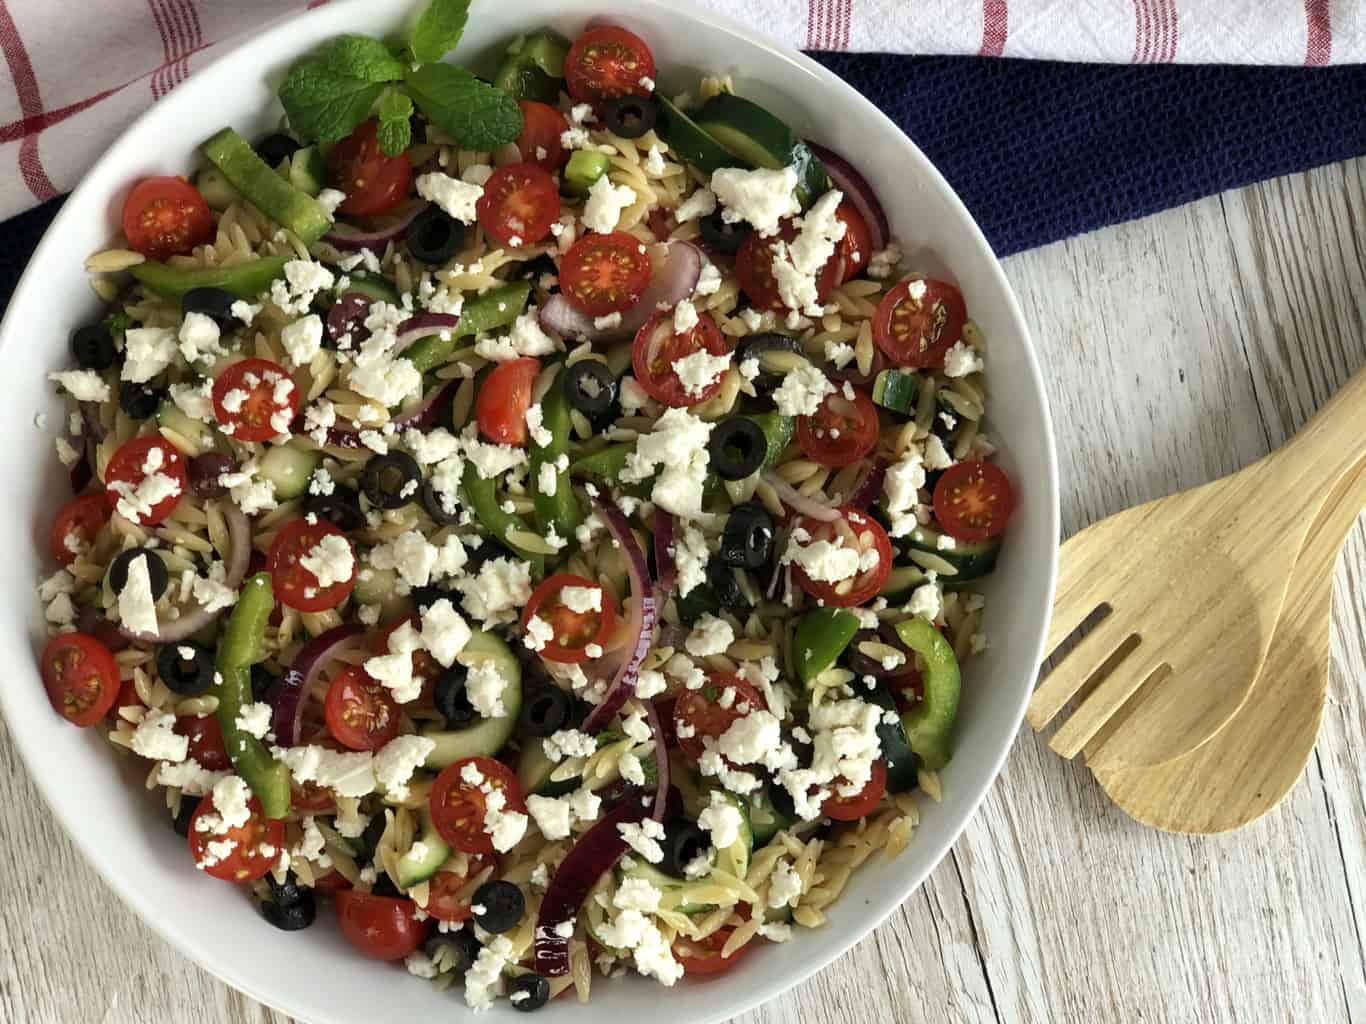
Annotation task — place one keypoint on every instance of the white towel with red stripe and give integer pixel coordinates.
(82, 70)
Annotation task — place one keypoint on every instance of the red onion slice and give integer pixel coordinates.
(661, 761)
(287, 696)
(674, 279)
(665, 565)
(346, 321)
(856, 189)
(870, 487)
(641, 625)
(379, 233)
(799, 502)
(421, 326)
(421, 416)
(190, 623)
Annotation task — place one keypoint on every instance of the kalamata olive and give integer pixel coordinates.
(206, 473)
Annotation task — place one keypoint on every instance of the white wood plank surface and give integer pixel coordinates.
(1176, 348)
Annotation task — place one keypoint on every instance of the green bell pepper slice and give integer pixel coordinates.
(929, 725)
(241, 646)
(606, 464)
(274, 196)
(483, 498)
(819, 640)
(496, 308)
(778, 430)
(245, 280)
(559, 510)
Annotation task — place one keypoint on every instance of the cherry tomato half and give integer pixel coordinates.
(503, 400)
(166, 217)
(841, 431)
(973, 501)
(372, 181)
(255, 400)
(311, 798)
(703, 956)
(361, 715)
(76, 524)
(252, 850)
(519, 204)
(206, 741)
(80, 676)
(294, 583)
(458, 804)
(539, 143)
(574, 630)
(606, 63)
(918, 321)
(754, 270)
(658, 346)
(134, 462)
(707, 713)
(862, 803)
(380, 927)
(447, 899)
(605, 274)
(855, 249)
(864, 585)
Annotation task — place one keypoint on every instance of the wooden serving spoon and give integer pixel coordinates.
(1255, 759)
(1190, 587)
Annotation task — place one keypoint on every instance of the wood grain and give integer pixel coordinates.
(1177, 349)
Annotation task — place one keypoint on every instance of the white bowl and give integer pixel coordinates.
(123, 830)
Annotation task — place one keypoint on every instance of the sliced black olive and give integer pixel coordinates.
(782, 801)
(723, 237)
(747, 538)
(292, 917)
(776, 354)
(425, 597)
(435, 236)
(92, 346)
(384, 886)
(214, 303)
(341, 508)
(156, 570)
(738, 448)
(374, 831)
(392, 480)
(185, 667)
(263, 681)
(139, 401)
(683, 843)
(724, 586)
(188, 805)
(498, 906)
(532, 270)
(528, 992)
(590, 387)
(206, 474)
(453, 952)
(275, 147)
(451, 698)
(435, 505)
(546, 711)
(346, 321)
(630, 117)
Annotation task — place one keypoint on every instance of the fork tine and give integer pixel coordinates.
(1076, 667)
(1078, 592)
(1107, 701)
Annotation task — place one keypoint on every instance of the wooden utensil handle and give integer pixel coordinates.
(1332, 442)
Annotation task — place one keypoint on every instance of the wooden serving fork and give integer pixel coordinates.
(1190, 588)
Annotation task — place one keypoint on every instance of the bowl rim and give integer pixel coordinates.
(181, 938)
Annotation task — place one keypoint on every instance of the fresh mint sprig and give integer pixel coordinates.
(325, 97)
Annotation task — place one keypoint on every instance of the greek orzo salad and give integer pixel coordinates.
(536, 516)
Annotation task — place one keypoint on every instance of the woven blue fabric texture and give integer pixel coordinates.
(1041, 151)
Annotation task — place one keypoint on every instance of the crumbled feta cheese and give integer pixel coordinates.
(925, 600)
(348, 774)
(137, 607)
(396, 761)
(722, 820)
(331, 560)
(962, 359)
(678, 447)
(690, 559)
(302, 281)
(643, 838)
(484, 978)
(199, 337)
(146, 352)
(710, 635)
(797, 265)
(254, 719)
(602, 210)
(485, 686)
(395, 669)
(155, 737)
(498, 593)
(884, 262)
(444, 631)
(569, 743)
(802, 391)
(701, 203)
(82, 385)
(762, 197)
(698, 370)
(784, 885)
(459, 199)
(245, 311)
(581, 600)
(302, 339)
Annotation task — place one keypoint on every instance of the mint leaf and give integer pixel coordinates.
(322, 104)
(364, 58)
(438, 29)
(472, 112)
(395, 131)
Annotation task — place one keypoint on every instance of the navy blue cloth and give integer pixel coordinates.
(1041, 151)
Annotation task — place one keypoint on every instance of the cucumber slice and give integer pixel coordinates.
(488, 737)
(544, 777)
(903, 767)
(689, 141)
(190, 431)
(534, 67)
(308, 170)
(431, 852)
(375, 586)
(594, 915)
(750, 133)
(765, 820)
(896, 390)
(375, 287)
(734, 859)
(215, 188)
(778, 430)
(973, 561)
(289, 469)
(901, 581)
(268, 192)
(585, 168)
